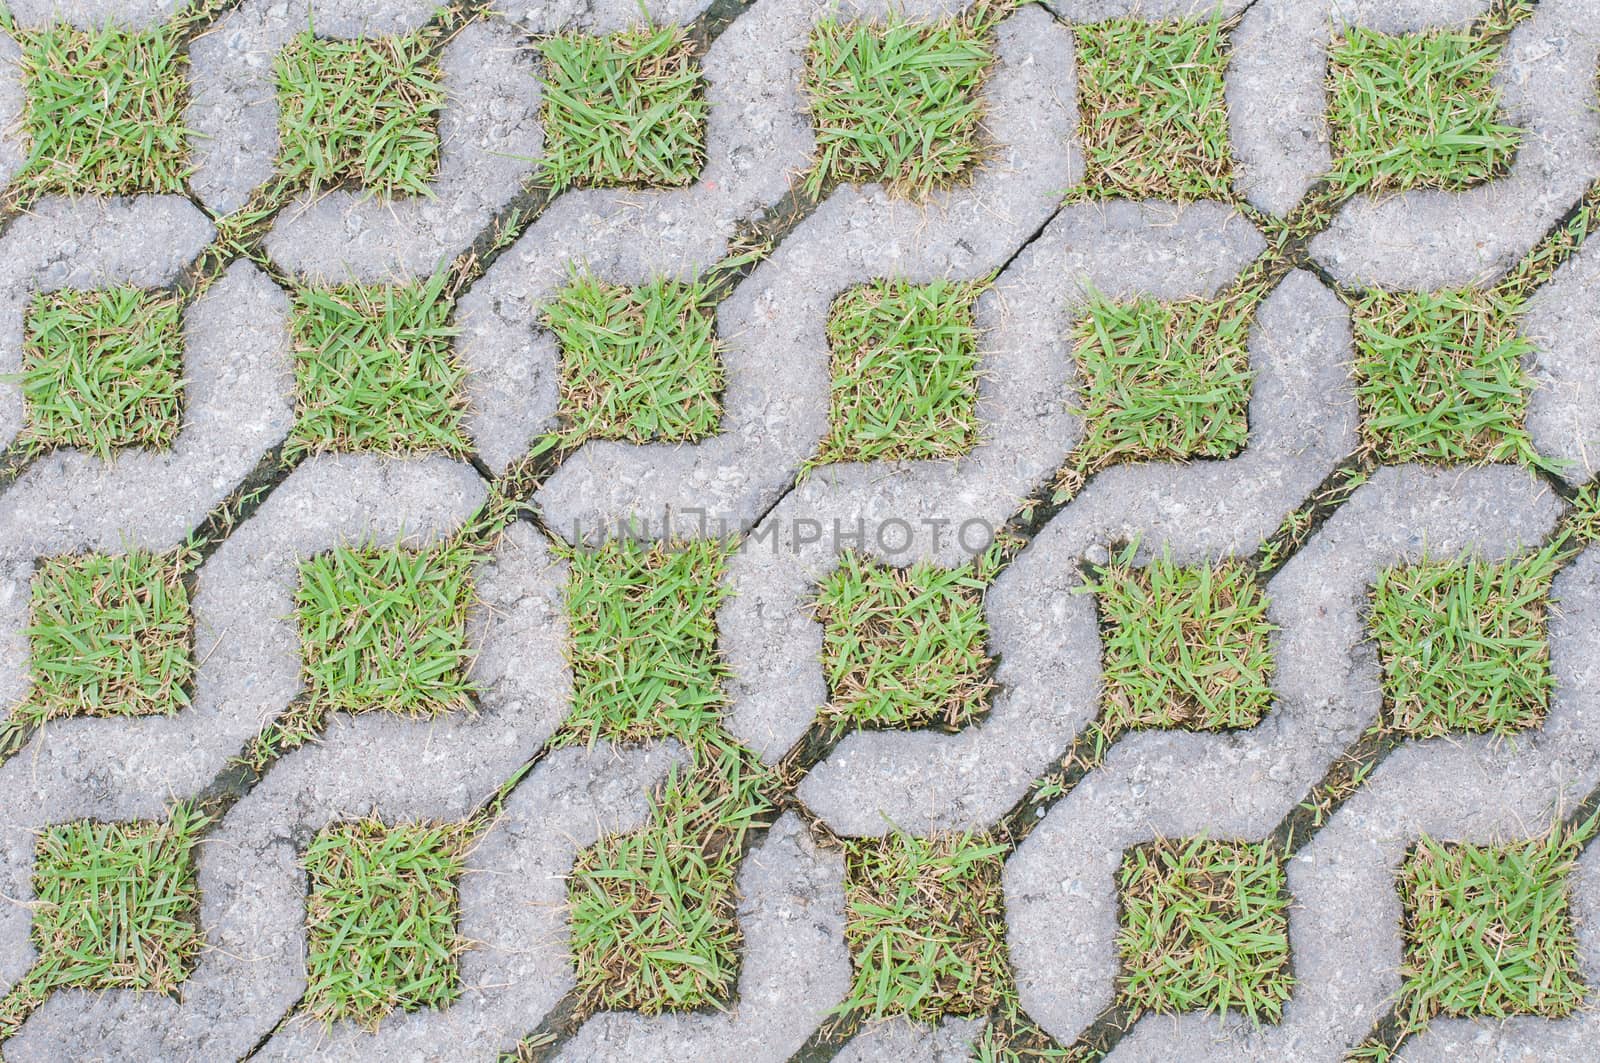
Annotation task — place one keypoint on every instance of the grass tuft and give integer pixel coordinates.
(1416, 110)
(903, 647)
(652, 912)
(637, 364)
(1185, 647)
(644, 639)
(925, 924)
(102, 370)
(108, 635)
(1163, 381)
(905, 367)
(1488, 930)
(1152, 109)
(360, 111)
(1205, 927)
(385, 629)
(1463, 644)
(1440, 378)
(103, 111)
(898, 102)
(375, 371)
(381, 919)
(116, 906)
(624, 110)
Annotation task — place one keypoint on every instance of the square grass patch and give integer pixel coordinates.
(653, 913)
(624, 110)
(643, 646)
(109, 635)
(905, 368)
(381, 919)
(1163, 381)
(1463, 644)
(375, 371)
(1152, 109)
(903, 647)
(639, 364)
(1204, 927)
(899, 101)
(103, 370)
(925, 924)
(102, 111)
(1185, 646)
(1488, 930)
(116, 905)
(385, 629)
(363, 112)
(1440, 378)
(1416, 110)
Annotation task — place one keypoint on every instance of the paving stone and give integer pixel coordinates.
(794, 968)
(772, 642)
(1430, 238)
(1559, 320)
(1060, 897)
(900, 1039)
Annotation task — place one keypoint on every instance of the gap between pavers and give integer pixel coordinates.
(1561, 321)
(756, 138)
(1060, 885)
(793, 966)
(254, 914)
(146, 242)
(1431, 237)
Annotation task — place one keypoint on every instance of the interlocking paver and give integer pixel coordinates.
(1075, 465)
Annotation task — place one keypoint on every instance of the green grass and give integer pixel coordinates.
(381, 919)
(1463, 644)
(637, 364)
(643, 637)
(903, 647)
(905, 368)
(1488, 930)
(925, 924)
(375, 371)
(1204, 927)
(1416, 110)
(103, 370)
(108, 635)
(1162, 381)
(116, 905)
(1152, 110)
(1440, 378)
(899, 101)
(364, 112)
(652, 913)
(1185, 647)
(624, 110)
(385, 629)
(103, 111)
